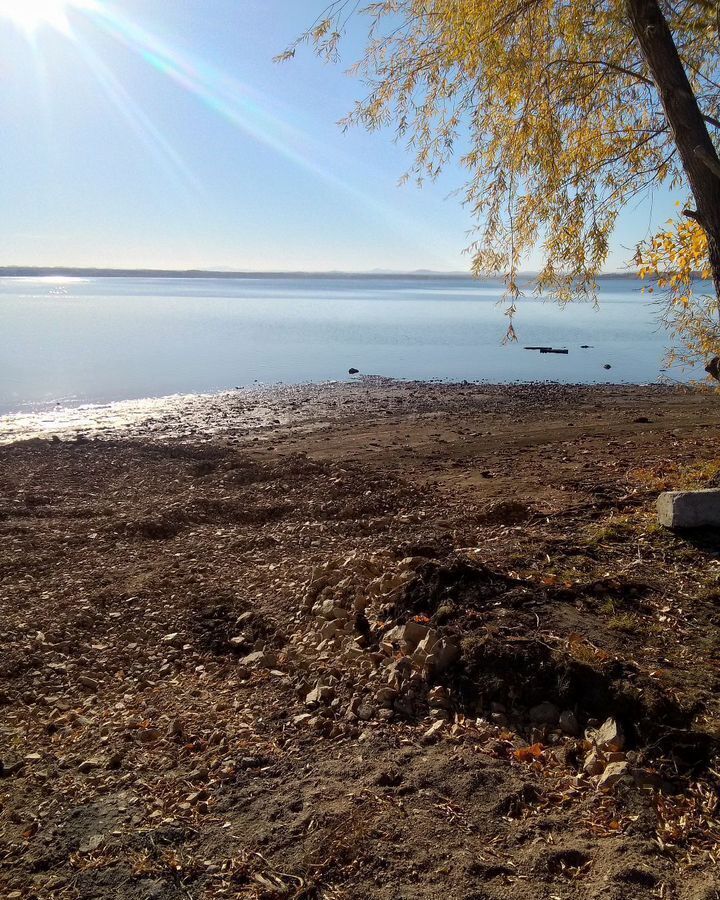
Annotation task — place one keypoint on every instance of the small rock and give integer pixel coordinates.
(427, 644)
(545, 713)
(414, 632)
(594, 763)
(607, 366)
(609, 736)
(365, 712)
(443, 655)
(173, 638)
(259, 659)
(320, 694)
(88, 765)
(613, 773)
(9, 768)
(91, 843)
(114, 761)
(88, 682)
(353, 371)
(568, 723)
(386, 695)
(438, 697)
(433, 732)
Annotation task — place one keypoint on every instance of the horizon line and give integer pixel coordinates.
(128, 272)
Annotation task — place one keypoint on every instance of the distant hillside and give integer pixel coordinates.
(73, 272)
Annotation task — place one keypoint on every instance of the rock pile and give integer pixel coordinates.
(358, 666)
(358, 654)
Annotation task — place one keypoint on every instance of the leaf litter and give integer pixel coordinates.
(238, 670)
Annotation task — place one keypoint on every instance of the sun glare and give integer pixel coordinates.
(30, 15)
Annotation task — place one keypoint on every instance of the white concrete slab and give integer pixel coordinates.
(689, 509)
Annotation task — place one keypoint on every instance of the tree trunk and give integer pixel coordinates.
(697, 151)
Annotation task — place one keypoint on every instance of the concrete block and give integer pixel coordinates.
(689, 509)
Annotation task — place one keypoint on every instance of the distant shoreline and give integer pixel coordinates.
(73, 272)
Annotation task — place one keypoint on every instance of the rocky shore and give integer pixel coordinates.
(373, 639)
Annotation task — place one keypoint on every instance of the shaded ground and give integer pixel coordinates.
(146, 753)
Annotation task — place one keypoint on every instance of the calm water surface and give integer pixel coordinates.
(70, 341)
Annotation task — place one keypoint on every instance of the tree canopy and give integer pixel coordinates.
(561, 111)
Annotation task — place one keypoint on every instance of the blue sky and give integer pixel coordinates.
(160, 133)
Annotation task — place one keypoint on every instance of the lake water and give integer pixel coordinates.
(70, 341)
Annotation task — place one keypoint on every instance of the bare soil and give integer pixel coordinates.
(145, 753)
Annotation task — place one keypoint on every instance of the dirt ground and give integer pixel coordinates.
(362, 640)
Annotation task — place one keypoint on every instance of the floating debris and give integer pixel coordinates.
(548, 350)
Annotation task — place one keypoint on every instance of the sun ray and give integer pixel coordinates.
(246, 109)
(148, 133)
(249, 112)
(31, 15)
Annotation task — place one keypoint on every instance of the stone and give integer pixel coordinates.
(568, 723)
(88, 765)
(545, 713)
(613, 773)
(10, 768)
(443, 655)
(395, 635)
(91, 843)
(260, 658)
(594, 763)
(365, 712)
(438, 697)
(609, 737)
(689, 509)
(88, 682)
(414, 632)
(320, 694)
(433, 732)
(428, 642)
(386, 695)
